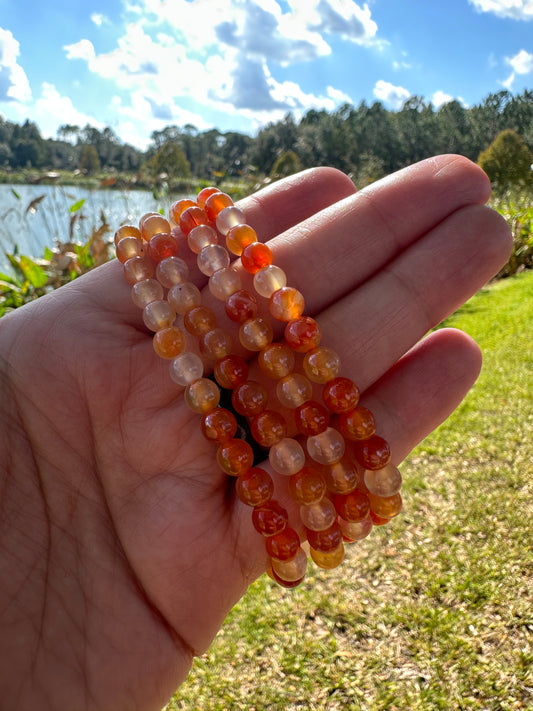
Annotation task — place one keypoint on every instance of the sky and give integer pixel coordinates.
(236, 65)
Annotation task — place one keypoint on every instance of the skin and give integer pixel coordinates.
(122, 546)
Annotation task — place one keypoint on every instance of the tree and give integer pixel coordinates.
(89, 160)
(507, 161)
(287, 164)
(170, 160)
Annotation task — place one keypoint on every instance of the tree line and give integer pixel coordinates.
(367, 141)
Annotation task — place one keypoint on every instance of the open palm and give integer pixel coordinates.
(122, 547)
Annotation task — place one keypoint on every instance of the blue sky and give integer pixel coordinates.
(140, 65)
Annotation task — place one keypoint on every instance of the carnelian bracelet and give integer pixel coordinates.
(341, 476)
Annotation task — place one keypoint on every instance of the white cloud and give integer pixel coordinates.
(440, 97)
(80, 50)
(52, 110)
(392, 95)
(99, 19)
(521, 63)
(14, 84)
(514, 9)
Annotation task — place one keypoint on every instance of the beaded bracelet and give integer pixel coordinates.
(343, 481)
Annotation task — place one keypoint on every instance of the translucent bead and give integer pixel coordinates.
(171, 271)
(138, 268)
(239, 237)
(169, 342)
(327, 447)
(356, 530)
(158, 314)
(276, 360)
(330, 559)
(186, 368)
(200, 320)
(219, 425)
(204, 194)
(255, 487)
(286, 303)
(184, 297)
(383, 482)
(231, 371)
(342, 476)
(224, 282)
(216, 344)
(215, 203)
(293, 390)
(146, 216)
(212, 258)
(241, 306)
(127, 231)
(255, 334)
(372, 453)
(378, 520)
(283, 545)
(292, 570)
(178, 207)
(385, 506)
(286, 456)
(162, 246)
(302, 334)
(318, 516)
(307, 486)
(191, 218)
(146, 291)
(268, 428)
(256, 256)
(353, 507)
(321, 364)
(270, 518)
(269, 279)
(326, 540)
(235, 457)
(311, 418)
(340, 395)
(229, 217)
(202, 395)
(154, 225)
(129, 247)
(249, 398)
(200, 237)
(358, 423)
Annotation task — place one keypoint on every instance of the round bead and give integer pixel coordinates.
(283, 545)
(290, 571)
(268, 428)
(311, 418)
(286, 456)
(241, 306)
(191, 218)
(138, 268)
(341, 477)
(286, 303)
(249, 398)
(215, 203)
(177, 208)
(219, 425)
(276, 360)
(186, 368)
(327, 447)
(239, 237)
(352, 507)
(302, 334)
(200, 320)
(129, 247)
(204, 194)
(385, 506)
(127, 231)
(255, 334)
(146, 291)
(235, 457)
(224, 282)
(321, 364)
(158, 314)
(215, 345)
(293, 390)
(146, 216)
(255, 487)
(330, 559)
(200, 237)
(231, 371)
(383, 482)
(270, 518)
(372, 453)
(169, 342)
(229, 217)
(256, 256)
(154, 225)
(171, 271)
(356, 530)
(269, 279)
(358, 423)
(378, 520)
(318, 516)
(326, 540)
(202, 395)
(162, 246)
(184, 297)
(212, 258)
(307, 486)
(340, 395)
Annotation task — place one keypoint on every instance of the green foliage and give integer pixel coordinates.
(517, 209)
(169, 160)
(287, 164)
(507, 161)
(89, 160)
(27, 283)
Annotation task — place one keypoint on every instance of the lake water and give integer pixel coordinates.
(31, 228)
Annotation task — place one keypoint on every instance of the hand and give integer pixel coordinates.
(121, 546)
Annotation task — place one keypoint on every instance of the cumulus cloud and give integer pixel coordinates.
(393, 96)
(14, 84)
(521, 63)
(514, 9)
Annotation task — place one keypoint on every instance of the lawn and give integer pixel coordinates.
(434, 611)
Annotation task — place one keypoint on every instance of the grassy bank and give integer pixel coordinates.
(433, 611)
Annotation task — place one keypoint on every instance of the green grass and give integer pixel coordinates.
(434, 611)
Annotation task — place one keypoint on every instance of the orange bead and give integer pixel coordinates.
(356, 530)
(202, 396)
(256, 256)
(200, 320)
(311, 418)
(219, 425)
(307, 486)
(372, 453)
(290, 573)
(205, 193)
(249, 398)
(270, 518)
(235, 457)
(169, 342)
(161, 246)
(129, 247)
(328, 559)
(293, 390)
(326, 540)
(127, 231)
(215, 345)
(378, 520)
(239, 237)
(241, 306)
(353, 507)
(154, 225)
(255, 334)
(286, 456)
(340, 395)
(286, 303)
(191, 218)
(385, 506)
(318, 516)
(321, 364)
(268, 427)
(231, 371)
(178, 207)
(341, 477)
(138, 268)
(283, 545)
(255, 487)
(358, 423)
(302, 334)
(276, 360)
(383, 482)
(215, 203)
(327, 447)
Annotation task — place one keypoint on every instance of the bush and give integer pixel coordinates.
(507, 161)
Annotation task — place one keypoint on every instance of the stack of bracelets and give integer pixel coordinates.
(339, 470)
